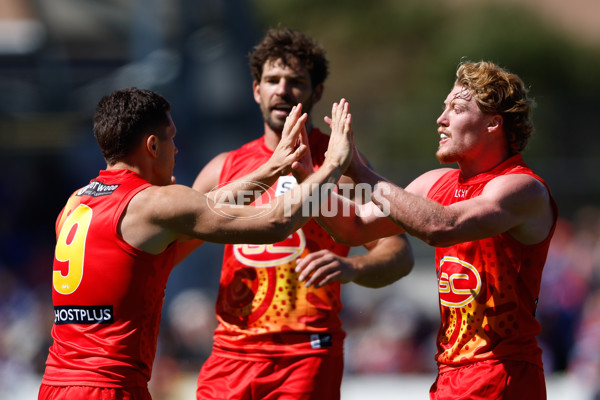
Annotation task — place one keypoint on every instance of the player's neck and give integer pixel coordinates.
(483, 164)
(123, 165)
(133, 165)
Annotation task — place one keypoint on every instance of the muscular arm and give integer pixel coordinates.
(358, 222)
(159, 215)
(387, 260)
(518, 204)
(245, 188)
(355, 224)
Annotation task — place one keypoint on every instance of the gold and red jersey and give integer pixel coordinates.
(107, 295)
(262, 308)
(488, 288)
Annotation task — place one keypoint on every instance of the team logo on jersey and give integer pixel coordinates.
(458, 282)
(271, 255)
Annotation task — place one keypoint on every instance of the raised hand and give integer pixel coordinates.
(304, 166)
(291, 147)
(358, 162)
(341, 142)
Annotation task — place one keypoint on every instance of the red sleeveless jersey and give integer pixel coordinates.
(107, 294)
(488, 289)
(262, 309)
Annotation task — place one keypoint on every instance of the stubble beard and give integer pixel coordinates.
(446, 157)
(276, 124)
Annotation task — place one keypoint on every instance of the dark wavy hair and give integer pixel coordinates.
(291, 47)
(498, 91)
(123, 118)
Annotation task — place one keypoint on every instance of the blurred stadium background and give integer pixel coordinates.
(393, 60)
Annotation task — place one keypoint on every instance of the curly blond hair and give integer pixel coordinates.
(498, 91)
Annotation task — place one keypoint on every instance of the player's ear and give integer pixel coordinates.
(256, 91)
(317, 93)
(152, 145)
(495, 123)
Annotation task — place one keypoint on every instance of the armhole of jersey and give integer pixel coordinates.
(121, 208)
(69, 206)
(225, 167)
(440, 181)
(553, 204)
(554, 208)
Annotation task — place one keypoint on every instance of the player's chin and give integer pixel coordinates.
(442, 155)
(276, 124)
(445, 157)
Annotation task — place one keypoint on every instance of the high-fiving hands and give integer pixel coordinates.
(341, 140)
(358, 162)
(292, 147)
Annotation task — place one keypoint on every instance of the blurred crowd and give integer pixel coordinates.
(390, 330)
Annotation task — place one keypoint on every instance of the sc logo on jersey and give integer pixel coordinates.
(458, 282)
(271, 255)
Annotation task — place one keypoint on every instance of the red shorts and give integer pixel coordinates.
(491, 380)
(314, 377)
(50, 392)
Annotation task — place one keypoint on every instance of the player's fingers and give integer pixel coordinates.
(348, 126)
(299, 153)
(298, 127)
(338, 113)
(311, 275)
(309, 269)
(290, 120)
(323, 275)
(307, 259)
(328, 279)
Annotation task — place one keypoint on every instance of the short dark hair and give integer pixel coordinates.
(291, 47)
(498, 91)
(124, 116)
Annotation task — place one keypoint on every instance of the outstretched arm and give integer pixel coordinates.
(356, 219)
(157, 216)
(517, 204)
(387, 260)
(248, 188)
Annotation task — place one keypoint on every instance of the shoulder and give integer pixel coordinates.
(423, 183)
(157, 203)
(155, 217)
(524, 186)
(526, 198)
(208, 177)
(521, 193)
